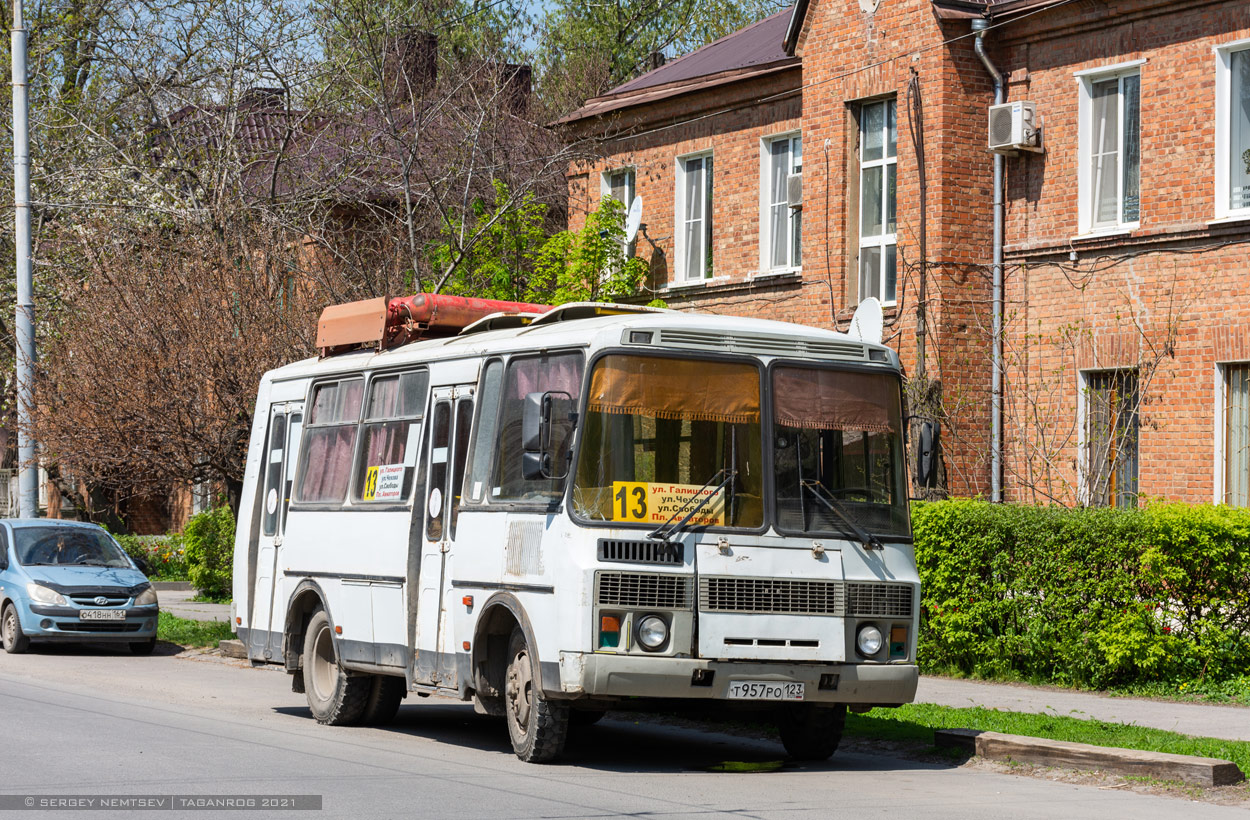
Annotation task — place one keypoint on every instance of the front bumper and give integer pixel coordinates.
(610, 675)
(61, 623)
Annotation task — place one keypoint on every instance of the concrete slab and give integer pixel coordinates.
(178, 602)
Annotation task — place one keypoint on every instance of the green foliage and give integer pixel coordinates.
(185, 632)
(1090, 597)
(514, 258)
(209, 541)
(164, 555)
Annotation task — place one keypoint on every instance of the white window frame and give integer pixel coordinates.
(884, 240)
(793, 262)
(1223, 130)
(684, 276)
(1220, 430)
(605, 191)
(1085, 170)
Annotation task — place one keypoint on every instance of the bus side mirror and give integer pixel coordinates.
(535, 466)
(537, 462)
(927, 453)
(535, 421)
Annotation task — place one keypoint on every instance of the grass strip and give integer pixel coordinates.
(186, 632)
(916, 722)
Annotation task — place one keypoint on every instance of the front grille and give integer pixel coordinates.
(771, 595)
(99, 626)
(642, 590)
(109, 600)
(639, 552)
(886, 600)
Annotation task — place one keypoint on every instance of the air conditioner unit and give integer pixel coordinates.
(794, 190)
(1014, 127)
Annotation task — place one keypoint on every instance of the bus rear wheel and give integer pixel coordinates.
(385, 693)
(537, 726)
(335, 697)
(811, 732)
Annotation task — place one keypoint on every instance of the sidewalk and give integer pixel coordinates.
(1227, 722)
(178, 602)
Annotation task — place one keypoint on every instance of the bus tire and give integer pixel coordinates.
(811, 732)
(15, 640)
(537, 726)
(335, 697)
(383, 701)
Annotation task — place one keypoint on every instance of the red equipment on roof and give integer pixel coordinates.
(389, 323)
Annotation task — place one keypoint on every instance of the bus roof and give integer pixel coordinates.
(669, 330)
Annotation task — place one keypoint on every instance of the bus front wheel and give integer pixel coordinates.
(334, 697)
(811, 732)
(538, 726)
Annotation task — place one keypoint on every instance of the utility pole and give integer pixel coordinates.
(28, 470)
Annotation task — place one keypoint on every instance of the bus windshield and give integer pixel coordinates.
(838, 450)
(661, 433)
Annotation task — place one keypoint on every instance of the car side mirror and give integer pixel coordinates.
(142, 564)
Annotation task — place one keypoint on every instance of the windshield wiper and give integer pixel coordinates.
(822, 494)
(664, 532)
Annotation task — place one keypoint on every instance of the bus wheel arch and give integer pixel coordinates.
(501, 615)
(307, 598)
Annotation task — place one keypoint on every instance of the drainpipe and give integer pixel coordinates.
(980, 25)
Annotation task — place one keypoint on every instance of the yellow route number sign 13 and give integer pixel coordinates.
(654, 502)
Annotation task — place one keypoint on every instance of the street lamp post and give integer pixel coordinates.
(28, 470)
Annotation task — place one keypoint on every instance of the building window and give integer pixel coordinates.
(878, 160)
(1237, 435)
(1110, 150)
(1111, 438)
(1232, 131)
(781, 227)
(619, 185)
(694, 218)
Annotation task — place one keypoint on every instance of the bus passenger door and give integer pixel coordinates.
(446, 449)
(281, 444)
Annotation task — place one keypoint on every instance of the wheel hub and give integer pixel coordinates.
(519, 690)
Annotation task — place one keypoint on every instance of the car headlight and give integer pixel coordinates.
(146, 598)
(652, 632)
(869, 640)
(43, 595)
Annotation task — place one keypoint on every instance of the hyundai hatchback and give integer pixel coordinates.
(67, 581)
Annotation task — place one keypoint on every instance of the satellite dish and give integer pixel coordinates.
(868, 321)
(633, 219)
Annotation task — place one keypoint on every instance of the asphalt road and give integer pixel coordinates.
(80, 721)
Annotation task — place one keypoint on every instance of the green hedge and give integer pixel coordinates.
(1094, 597)
(163, 554)
(209, 542)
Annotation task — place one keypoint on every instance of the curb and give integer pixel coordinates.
(233, 649)
(172, 585)
(1198, 771)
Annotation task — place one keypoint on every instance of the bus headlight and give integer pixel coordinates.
(868, 640)
(652, 632)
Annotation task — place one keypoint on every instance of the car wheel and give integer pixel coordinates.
(538, 726)
(336, 697)
(14, 639)
(143, 647)
(383, 701)
(811, 732)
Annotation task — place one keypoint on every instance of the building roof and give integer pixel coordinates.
(748, 52)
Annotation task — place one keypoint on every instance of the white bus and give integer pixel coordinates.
(552, 514)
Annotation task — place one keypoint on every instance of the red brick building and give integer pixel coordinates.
(1119, 283)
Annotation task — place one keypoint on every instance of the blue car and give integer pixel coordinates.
(66, 581)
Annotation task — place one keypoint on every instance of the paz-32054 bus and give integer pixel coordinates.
(550, 513)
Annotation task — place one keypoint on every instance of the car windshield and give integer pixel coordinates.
(838, 449)
(67, 545)
(661, 434)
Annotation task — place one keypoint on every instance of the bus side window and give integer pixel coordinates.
(464, 418)
(558, 373)
(274, 455)
(435, 504)
(387, 464)
(329, 436)
(292, 458)
(484, 437)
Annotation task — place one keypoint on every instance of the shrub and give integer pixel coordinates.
(1095, 597)
(163, 555)
(209, 542)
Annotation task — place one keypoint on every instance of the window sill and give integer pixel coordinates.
(773, 274)
(1122, 230)
(1230, 219)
